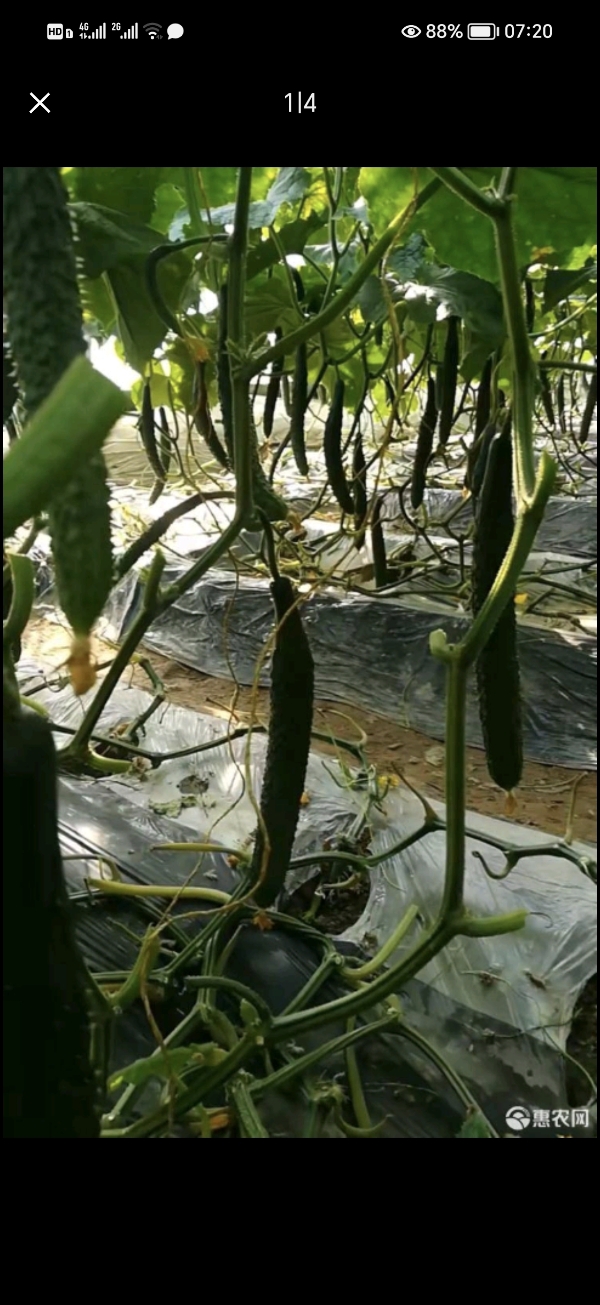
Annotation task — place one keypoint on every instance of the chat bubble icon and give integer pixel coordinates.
(174, 31)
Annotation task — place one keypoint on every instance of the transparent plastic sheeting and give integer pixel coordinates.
(374, 653)
(484, 1003)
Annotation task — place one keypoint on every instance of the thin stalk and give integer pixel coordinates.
(456, 701)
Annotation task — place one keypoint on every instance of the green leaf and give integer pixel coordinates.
(129, 190)
(555, 208)
(408, 261)
(477, 302)
(559, 284)
(291, 239)
(269, 304)
(475, 1126)
(290, 186)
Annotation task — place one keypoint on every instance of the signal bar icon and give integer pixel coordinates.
(98, 35)
(131, 34)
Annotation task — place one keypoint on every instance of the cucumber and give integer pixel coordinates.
(147, 428)
(359, 490)
(424, 446)
(588, 411)
(203, 420)
(498, 681)
(48, 1083)
(560, 405)
(484, 397)
(224, 374)
(546, 393)
(332, 446)
(273, 389)
(450, 377)
(292, 694)
(299, 397)
(378, 547)
(46, 334)
(529, 305)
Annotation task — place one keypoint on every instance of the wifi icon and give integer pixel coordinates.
(153, 30)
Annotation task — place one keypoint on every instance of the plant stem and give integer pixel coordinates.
(456, 699)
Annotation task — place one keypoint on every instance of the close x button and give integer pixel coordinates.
(39, 103)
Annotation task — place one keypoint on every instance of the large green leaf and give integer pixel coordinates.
(116, 247)
(130, 190)
(559, 284)
(290, 186)
(555, 209)
(291, 239)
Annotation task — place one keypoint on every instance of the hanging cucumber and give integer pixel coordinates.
(378, 547)
(273, 389)
(165, 442)
(292, 691)
(48, 1084)
(147, 428)
(560, 405)
(332, 446)
(450, 377)
(477, 459)
(224, 374)
(46, 333)
(588, 412)
(546, 393)
(498, 681)
(265, 498)
(529, 305)
(359, 490)
(299, 397)
(484, 398)
(202, 418)
(424, 446)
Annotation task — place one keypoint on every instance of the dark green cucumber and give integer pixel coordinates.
(477, 459)
(45, 327)
(265, 498)
(560, 405)
(588, 411)
(450, 376)
(202, 418)
(378, 547)
(529, 305)
(273, 389)
(165, 442)
(299, 397)
(48, 1083)
(424, 446)
(224, 374)
(147, 427)
(292, 692)
(484, 398)
(498, 680)
(332, 446)
(359, 491)
(546, 393)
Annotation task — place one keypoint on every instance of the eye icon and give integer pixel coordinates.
(411, 31)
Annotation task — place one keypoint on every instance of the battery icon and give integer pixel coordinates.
(481, 31)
